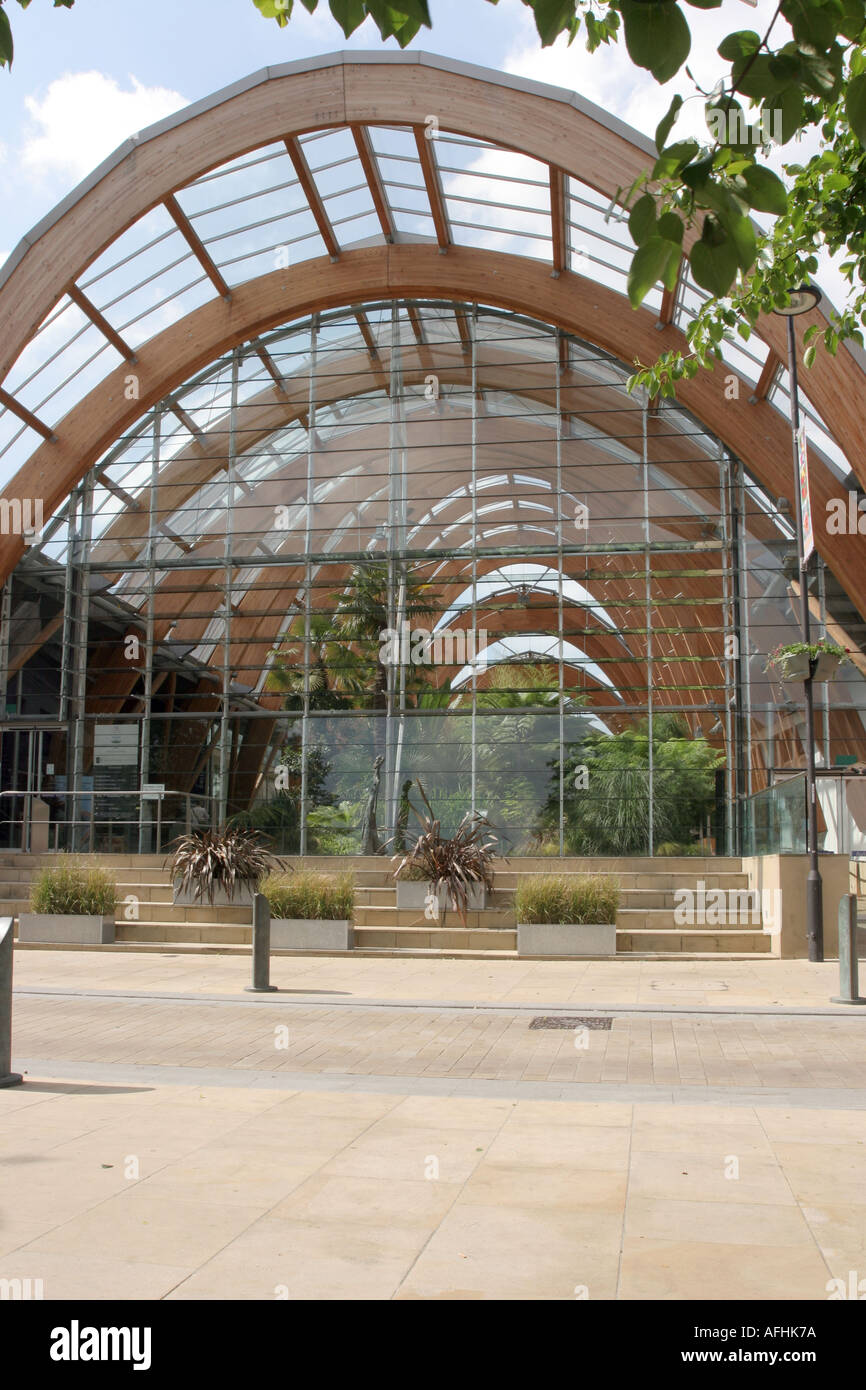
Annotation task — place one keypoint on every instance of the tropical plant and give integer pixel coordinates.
(570, 901)
(452, 864)
(346, 669)
(311, 895)
(279, 815)
(72, 887)
(607, 805)
(205, 861)
(333, 829)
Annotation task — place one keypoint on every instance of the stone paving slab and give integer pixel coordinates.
(135, 1190)
(706, 1050)
(761, 983)
(308, 1146)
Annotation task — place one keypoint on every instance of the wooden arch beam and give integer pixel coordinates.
(756, 433)
(557, 128)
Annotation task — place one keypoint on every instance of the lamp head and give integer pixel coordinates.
(800, 302)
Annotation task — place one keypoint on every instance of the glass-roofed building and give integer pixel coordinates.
(319, 470)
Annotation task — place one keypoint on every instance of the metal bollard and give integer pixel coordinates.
(848, 963)
(261, 947)
(8, 1077)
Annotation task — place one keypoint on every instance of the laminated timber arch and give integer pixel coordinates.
(756, 432)
(562, 131)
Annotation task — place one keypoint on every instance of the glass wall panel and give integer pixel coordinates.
(416, 542)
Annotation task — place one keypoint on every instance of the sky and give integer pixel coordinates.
(85, 79)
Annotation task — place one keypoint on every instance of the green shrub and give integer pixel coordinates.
(74, 888)
(308, 894)
(571, 901)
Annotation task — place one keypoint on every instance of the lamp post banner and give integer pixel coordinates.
(808, 537)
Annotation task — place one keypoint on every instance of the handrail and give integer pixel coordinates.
(84, 822)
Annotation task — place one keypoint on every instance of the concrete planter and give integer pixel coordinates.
(792, 666)
(311, 934)
(243, 897)
(65, 929)
(826, 666)
(566, 939)
(412, 892)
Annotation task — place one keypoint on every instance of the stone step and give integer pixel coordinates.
(163, 912)
(682, 943)
(664, 919)
(390, 917)
(184, 933)
(436, 938)
(660, 881)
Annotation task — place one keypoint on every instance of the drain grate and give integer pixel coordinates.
(571, 1021)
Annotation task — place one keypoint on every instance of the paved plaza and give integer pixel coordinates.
(404, 1129)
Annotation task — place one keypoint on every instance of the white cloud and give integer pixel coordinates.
(83, 116)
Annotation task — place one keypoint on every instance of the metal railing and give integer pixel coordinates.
(92, 822)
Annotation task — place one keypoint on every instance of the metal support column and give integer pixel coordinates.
(228, 595)
(144, 807)
(648, 615)
(309, 491)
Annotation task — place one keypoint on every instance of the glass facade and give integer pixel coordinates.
(413, 541)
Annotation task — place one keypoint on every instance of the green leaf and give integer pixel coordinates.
(695, 175)
(744, 241)
(551, 17)
(820, 72)
(809, 356)
(642, 219)
(705, 4)
(855, 106)
(280, 10)
(657, 36)
(6, 48)
(675, 158)
(740, 45)
(663, 129)
(812, 25)
(348, 14)
(760, 77)
(648, 265)
(851, 19)
(714, 267)
(765, 190)
(789, 106)
(671, 228)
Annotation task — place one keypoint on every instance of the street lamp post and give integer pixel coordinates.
(800, 302)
